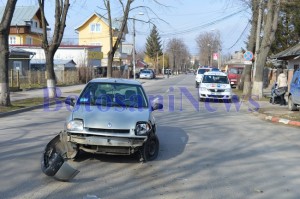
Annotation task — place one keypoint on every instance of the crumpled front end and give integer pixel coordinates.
(54, 158)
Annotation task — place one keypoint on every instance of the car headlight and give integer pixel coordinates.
(142, 128)
(203, 89)
(75, 125)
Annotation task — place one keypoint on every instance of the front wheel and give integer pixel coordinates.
(150, 148)
(291, 105)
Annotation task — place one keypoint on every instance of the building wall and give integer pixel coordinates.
(79, 55)
(293, 63)
(86, 37)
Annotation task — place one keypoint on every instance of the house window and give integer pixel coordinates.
(12, 40)
(95, 27)
(18, 66)
(29, 40)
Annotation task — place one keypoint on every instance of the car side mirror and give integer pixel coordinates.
(157, 106)
(70, 101)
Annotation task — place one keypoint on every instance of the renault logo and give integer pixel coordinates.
(109, 125)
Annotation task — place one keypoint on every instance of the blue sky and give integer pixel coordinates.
(183, 19)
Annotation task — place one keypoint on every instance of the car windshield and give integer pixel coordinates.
(146, 71)
(202, 71)
(215, 79)
(113, 94)
(235, 71)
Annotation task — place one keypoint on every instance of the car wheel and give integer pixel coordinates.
(150, 148)
(291, 105)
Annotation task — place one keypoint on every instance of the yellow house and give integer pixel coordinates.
(95, 31)
(26, 26)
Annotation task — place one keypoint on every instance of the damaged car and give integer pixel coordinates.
(114, 117)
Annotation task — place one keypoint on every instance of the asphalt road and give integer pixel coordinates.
(209, 151)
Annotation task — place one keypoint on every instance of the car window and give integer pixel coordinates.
(113, 94)
(215, 79)
(203, 70)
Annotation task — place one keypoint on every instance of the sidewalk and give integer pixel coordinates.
(278, 114)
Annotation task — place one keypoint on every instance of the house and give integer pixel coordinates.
(26, 26)
(83, 55)
(95, 31)
(19, 59)
(59, 64)
(290, 56)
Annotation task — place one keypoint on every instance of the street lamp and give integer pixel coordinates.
(133, 55)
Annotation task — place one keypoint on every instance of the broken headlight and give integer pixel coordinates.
(75, 125)
(142, 128)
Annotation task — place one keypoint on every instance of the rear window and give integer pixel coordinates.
(215, 79)
(203, 70)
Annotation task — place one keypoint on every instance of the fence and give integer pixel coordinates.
(38, 79)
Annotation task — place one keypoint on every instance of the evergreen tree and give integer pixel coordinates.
(288, 32)
(153, 46)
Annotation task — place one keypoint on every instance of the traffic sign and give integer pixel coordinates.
(248, 55)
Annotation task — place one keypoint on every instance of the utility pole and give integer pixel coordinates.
(258, 30)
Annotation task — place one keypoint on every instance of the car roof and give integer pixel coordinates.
(116, 80)
(219, 73)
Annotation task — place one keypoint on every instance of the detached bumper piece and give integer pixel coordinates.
(53, 162)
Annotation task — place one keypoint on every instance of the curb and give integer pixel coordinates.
(276, 119)
(22, 110)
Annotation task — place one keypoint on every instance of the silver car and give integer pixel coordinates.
(113, 116)
(146, 74)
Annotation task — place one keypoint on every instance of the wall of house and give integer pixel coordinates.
(22, 59)
(293, 63)
(79, 55)
(86, 37)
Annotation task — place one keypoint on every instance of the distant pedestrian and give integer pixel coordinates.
(282, 86)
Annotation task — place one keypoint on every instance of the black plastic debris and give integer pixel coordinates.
(54, 159)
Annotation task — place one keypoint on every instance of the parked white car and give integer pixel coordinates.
(215, 85)
(199, 75)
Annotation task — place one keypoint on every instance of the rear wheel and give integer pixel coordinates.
(291, 105)
(150, 148)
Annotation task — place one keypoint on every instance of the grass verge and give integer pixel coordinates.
(25, 103)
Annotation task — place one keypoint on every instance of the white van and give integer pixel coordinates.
(215, 85)
(199, 74)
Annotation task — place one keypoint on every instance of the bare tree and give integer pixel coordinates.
(245, 82)
(50, 48)
(208, 42)
(119, 34)
(4, 52)
(178, 54)
(270, 26)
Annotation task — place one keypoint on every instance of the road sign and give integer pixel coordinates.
(248, 55)
(215, 56)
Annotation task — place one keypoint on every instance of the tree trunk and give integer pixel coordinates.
(245, 82)
(51, 79)
(4, 52)
(4, 83)
(270, 27)
(110, 58)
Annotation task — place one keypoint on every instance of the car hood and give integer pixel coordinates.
(215, 86)
(110, 117)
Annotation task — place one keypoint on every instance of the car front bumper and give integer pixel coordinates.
(107, 144)
(215, 95)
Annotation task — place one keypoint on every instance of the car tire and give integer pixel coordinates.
(150, 148)
(291, 105)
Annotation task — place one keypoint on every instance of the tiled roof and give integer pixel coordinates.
(290, 52)
(21, 14)
(14, 50)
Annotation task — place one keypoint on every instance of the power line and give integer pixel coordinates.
(240, 36)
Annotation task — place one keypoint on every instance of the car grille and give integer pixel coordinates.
(96, 130)
(216, 90)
